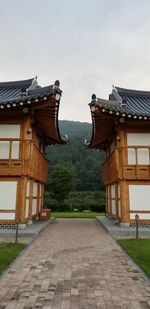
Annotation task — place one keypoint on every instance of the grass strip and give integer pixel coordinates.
(76, 214)
(8, 252)
(139, 250)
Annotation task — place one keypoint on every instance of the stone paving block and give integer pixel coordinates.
(74, 305)
(74, 271)
(65, 304)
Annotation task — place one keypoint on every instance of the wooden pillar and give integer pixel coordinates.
(26, 145)
(38, 201)
(42, 197)
(22, 199)
(123, 153)
(106, 211)
(30, 201)
(26, 125)
(116, 199)
(124, 203)
(110, 200)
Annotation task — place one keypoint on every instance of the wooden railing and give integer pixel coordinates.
(110, 168)
(135, 162)
(22, 157)
(132, 162)
(38, 165)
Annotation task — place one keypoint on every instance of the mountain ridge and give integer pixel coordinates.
(75, 128)
(86, 162)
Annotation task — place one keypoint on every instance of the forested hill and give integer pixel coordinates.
(85, 162)
(75, 129)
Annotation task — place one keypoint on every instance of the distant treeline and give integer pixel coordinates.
(86, 163)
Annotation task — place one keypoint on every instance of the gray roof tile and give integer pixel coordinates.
(134, 102)
(17, 91)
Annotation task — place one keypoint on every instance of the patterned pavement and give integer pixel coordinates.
(74, 264)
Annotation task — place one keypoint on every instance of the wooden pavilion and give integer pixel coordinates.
(28, 123)
(121, 127)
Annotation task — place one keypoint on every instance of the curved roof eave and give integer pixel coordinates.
(122, 103)
(43, 101)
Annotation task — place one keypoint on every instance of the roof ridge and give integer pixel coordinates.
(16, 84)
(132, 92)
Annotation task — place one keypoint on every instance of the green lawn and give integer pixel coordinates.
(76, 214)
(8, 252)
(139, 250)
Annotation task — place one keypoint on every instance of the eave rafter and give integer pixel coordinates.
(124, 107)
(29, 99)
(103, 128)
(104, 122)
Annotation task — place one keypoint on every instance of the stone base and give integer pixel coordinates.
(122, 224)
(21, 226)
(116, 221)
(30, 222)
(7, 226)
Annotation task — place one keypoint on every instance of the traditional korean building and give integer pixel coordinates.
(121, 127)
(28, 123)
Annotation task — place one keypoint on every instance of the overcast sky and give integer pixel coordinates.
(89, 45)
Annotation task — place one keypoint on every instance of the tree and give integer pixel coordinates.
(62, 180)
(86, 162)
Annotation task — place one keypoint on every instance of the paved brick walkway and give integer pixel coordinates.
(74, 264)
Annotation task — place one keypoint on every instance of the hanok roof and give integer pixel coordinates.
(127, 103)
(43, 102)
(23, 91)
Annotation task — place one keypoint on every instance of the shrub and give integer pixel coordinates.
(85, 200)
(50, 203)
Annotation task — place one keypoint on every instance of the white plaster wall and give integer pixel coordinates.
(141, 216)
(108, 205)
(139, 197)
(35, 187)
(113, 206)
(27, 209)
(119, 209)
(138, 139)
(108, 192)
(8, 193)
(7, 216)
(34, 204)
(40, 190)
(113, 191)
(9, 131)
(118, 190)
(28, 189)
(109, 200)
(143, 156)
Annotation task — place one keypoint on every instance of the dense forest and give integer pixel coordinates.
(85, 162)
